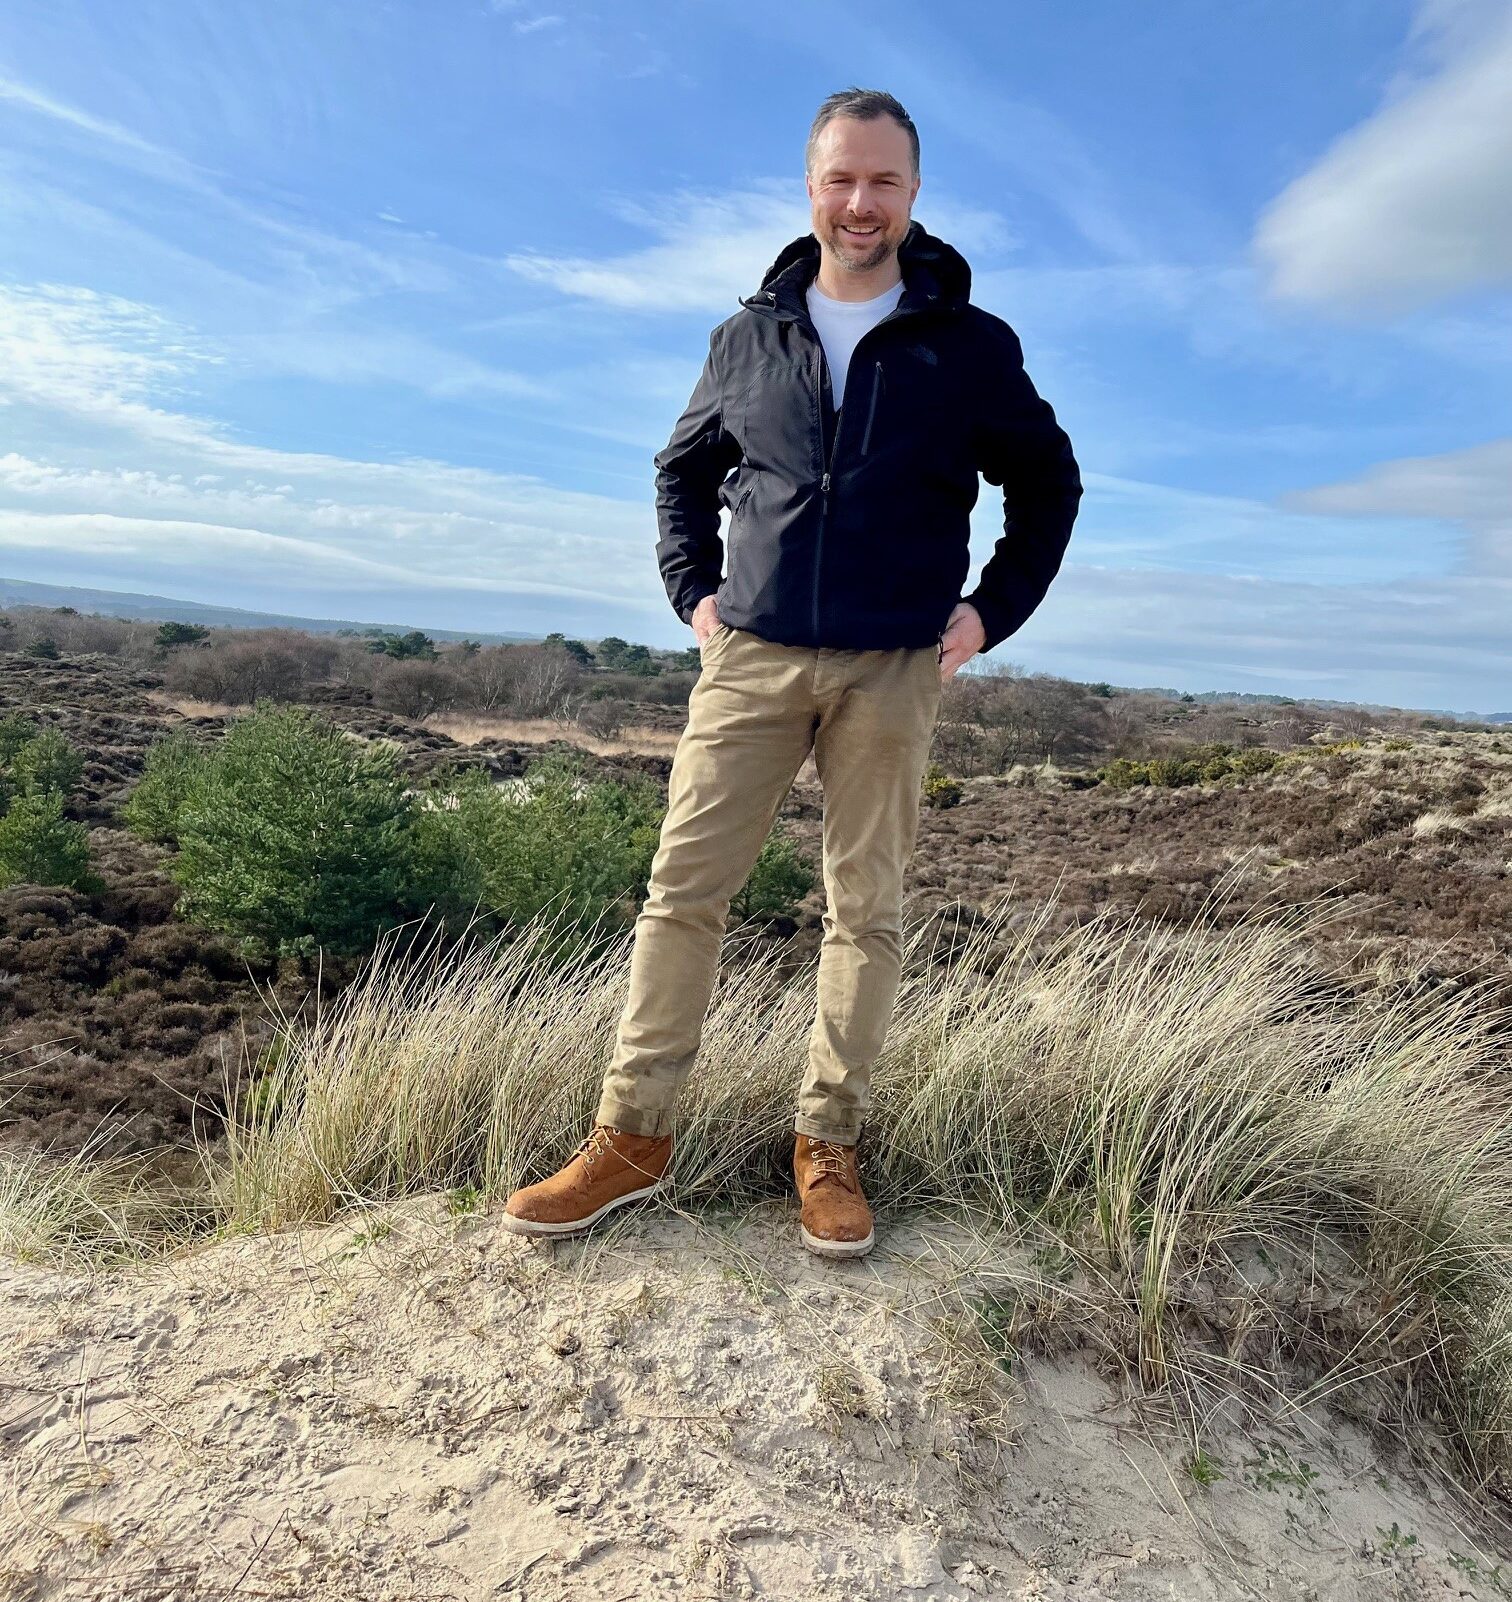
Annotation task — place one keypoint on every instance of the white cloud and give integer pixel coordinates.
(1472, 487)
(329, 269)
(1429, 643)
(45, 105)
(234, 513)
(714, 248)
(1415, 202)
(105, 359)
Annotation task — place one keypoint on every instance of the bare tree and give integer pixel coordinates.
(250, 664)
(1064, 719)
(530, 680)
(417, 689)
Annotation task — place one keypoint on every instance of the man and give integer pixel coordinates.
(843, 416)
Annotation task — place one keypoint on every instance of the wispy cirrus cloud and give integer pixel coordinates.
(1472, 487)
(711, 249)
(1416, 202)
(36, 100)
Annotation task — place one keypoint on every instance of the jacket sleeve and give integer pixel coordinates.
(689, 471)
(1024, 449)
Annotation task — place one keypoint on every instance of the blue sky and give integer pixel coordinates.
(382, 310)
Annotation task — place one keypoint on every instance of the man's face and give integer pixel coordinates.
(862, 178)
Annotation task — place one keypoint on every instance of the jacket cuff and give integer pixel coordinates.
(997, 619)
(685, 611)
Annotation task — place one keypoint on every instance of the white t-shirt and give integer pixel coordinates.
(840, 323)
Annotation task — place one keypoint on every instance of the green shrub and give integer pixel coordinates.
(557, 843)
(38, 845)
(46, 762)
(414, 646)
(1202, 764)
(171, 635)
(293, 837)
(780, 878)
(554, 842)
(175, 765)
(939, 789)
(1122, 773)
(15, 731)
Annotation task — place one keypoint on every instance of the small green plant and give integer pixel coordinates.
(940, 790)
(367, 1237)
(1276, 1470)
(997, 1318)
(463, 1200)
(552, 843)
(38, 845)
(1053, 1262)
(1204, 1470)
(45, 762)
(1471, 1567)
(15, 731)
(779, 879)
(293, 836)
(1395, 1543)
(175, 765)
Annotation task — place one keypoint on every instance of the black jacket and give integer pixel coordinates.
(854, 532)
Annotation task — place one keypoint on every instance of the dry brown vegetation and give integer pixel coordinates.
(113, 1010)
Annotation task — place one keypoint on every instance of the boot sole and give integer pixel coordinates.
(573, 1226)
(838, 1248)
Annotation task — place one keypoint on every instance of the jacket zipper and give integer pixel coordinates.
(896, 314)
(824, 483)
(872, 410)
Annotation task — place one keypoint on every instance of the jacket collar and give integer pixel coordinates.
(935, 276)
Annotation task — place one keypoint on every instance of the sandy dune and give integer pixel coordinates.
(414, 1405)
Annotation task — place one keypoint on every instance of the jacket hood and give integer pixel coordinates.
(934, 274)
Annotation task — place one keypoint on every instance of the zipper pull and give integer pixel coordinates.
(824, 483)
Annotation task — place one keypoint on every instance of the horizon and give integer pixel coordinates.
(985, 663)
(358, 313)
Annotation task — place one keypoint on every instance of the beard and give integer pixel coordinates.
(861, 255)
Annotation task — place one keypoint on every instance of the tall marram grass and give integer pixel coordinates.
(1184, 1091)
(1164, 1100)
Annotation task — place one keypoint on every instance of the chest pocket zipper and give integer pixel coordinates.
(871, 410)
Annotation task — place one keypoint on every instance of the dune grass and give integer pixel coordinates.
(1161, 1101)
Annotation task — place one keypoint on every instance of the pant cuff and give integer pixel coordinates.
(633, 1120)
(847, 1134)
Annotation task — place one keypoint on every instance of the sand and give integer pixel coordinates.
(409, 1404)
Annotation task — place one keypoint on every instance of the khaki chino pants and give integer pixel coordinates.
(756, 711)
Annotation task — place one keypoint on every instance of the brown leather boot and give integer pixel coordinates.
(834, 1220)
(610, 1168)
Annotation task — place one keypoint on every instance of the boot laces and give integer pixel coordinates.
(601, 1140)
(596, 1142)
(828, 1157)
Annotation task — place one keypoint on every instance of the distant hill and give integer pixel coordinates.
(1260, 698)
(164, 609)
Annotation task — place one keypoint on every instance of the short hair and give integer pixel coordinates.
(865, 105)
